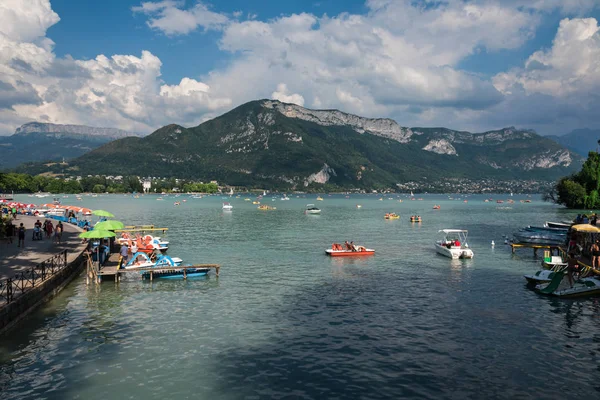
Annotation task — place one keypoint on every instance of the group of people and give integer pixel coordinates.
(584, 219)
(453, 243)
(51, 231)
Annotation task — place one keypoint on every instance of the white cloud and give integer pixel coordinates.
(282, 94)
(170, 18)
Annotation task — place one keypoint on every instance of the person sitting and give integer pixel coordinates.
(457, 243)
(352, 246)
(348, 247)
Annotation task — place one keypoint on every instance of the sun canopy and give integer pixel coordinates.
(453, 231)
(585, 228)
(102, 213)
(96, 234)
(109, 225)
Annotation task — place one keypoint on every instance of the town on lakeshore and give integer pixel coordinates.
(342, 199)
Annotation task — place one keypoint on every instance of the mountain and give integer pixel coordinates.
(267, 143)
(581, 141)
(37, 141)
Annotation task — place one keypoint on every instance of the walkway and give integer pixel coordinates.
(14, 259)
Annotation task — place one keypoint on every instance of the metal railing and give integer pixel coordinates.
(11, 288)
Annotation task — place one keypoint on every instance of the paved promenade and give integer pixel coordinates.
(14, 259)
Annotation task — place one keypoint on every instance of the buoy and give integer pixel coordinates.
(506, 241)
(493, 244)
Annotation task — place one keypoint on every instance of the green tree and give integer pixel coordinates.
(570, 193)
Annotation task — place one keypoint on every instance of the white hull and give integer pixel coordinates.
(455, 252)
(313, 211)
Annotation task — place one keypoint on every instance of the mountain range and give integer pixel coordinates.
(36, 141)
(581, 141)
(267, 143)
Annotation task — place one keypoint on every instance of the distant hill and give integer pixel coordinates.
(271, 144)
(581, 141)
(37, 141)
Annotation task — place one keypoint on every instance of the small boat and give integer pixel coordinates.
(227, 207)
(563, 225)
(559, 286)
(415, 218)
(176, 203)
(246, 199)
(338, 251)
(454, 244)
(319, 198)
(285, 197)
(436, 207)
(256, 202)
(159, 198)
(544, 275)
(265, 207)
(311, 209)
(358, 206)
(391, 216)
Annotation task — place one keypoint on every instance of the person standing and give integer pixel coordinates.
(595, 249)
(124, 254)
(21, 232)
(58, 231)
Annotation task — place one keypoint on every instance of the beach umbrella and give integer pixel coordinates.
(102, 213)
(585, 228)
(109, 225)
(96, 234)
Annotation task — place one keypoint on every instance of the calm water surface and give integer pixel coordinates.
(285, 321)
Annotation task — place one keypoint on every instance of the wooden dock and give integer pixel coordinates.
(110, 270)
(535, 247)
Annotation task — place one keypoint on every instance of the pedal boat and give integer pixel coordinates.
(391, 216)
(142, 260)
(559, 286)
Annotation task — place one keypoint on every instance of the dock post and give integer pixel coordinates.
(217, 268)
(151, 275)
(535, 252)
(185, 273)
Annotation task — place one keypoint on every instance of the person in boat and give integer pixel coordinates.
(457, 243)
(595, 250)
(352, 246)
(347, 245)
(124, 254)
(573, 268)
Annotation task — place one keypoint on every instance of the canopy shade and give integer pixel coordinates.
(96, 234)
(102, 213)
(109, 225)
(585, 228)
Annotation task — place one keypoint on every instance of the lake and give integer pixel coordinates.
(285, 321)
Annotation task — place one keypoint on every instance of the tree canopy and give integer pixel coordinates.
(581, 190)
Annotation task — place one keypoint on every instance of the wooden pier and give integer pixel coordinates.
(141, 229)
(535, 247)
(110, 270)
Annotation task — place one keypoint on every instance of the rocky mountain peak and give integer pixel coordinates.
(80, 130)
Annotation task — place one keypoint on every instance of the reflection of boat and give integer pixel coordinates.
(391, 216)
(454, 244)
(227, 207)
(265, 207)
(415, 218)
(560, 286)
(338, 251)
(311, 209)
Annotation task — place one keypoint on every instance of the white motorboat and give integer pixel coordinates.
(311, 209)
(454, 244)
(227, 207)
(563, 225)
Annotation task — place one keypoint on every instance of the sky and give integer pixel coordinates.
(472, 65)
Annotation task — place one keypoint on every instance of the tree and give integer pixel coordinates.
(570, 193)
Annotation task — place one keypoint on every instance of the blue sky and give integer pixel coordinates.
(465, 64)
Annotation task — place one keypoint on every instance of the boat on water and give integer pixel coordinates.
(415, 218)
(539, 237)
(227, 206)
(141, 260)
(391, 216)
(454, 244)
(337, 250)
(436, 207)
(284, 197)
(564, 225)
(159, 198)
(358, 206)
(266, 208)
(319, 198)
(145, 244)
(545, 275)
(256, 202)
(311, 209)
(560, 286)
(176, 203)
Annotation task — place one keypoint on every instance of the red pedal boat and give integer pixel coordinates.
(337, 250)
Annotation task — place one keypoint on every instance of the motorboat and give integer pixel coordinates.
(539, 237)
(311, 209)
(391, 216)
(561, 287)
(337, 250)
(415, 218)
(454, 244)
(563, 225)
(227, 207)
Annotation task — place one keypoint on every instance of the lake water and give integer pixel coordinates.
(285, 321)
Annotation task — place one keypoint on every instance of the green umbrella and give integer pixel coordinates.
(109, 225)
(102, 213)
(96, 234)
